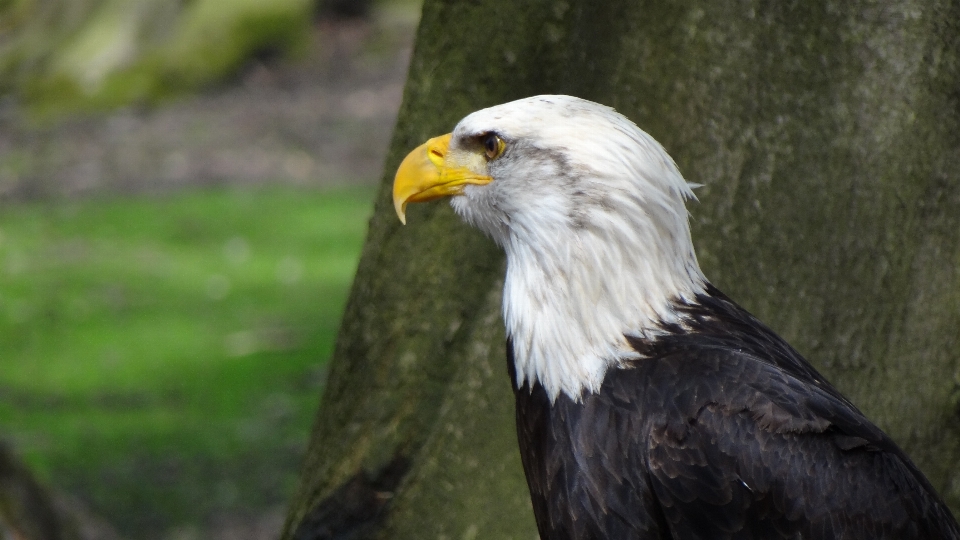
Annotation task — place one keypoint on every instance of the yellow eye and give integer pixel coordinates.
(492, 145)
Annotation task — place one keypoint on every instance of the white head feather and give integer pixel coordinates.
(590, 211)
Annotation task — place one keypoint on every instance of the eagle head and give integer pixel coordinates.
(591, 213)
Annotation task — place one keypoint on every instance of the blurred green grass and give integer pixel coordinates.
(163, 357)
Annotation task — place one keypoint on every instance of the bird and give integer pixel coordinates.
(649, 405)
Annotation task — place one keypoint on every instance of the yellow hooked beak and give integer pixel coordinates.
(430, 172)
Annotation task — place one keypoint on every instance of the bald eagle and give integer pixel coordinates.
(649, 405)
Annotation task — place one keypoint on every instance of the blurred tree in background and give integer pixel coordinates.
(344, 8)
(827, 137)
(27, 511)
(65, 54)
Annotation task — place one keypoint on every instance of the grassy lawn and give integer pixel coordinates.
(163, 357)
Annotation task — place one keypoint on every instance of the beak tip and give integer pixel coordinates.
(419, 177)
(401, 208)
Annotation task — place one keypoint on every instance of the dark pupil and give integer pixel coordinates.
(490, 142)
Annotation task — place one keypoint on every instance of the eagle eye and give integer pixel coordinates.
(493, 145)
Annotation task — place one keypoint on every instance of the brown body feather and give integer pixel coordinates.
(722, 431)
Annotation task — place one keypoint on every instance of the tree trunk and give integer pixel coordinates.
(826, 136)
(28, 511)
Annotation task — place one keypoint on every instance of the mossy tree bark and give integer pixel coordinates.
(827, 137)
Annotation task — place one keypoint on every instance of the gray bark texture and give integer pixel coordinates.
(827, 139)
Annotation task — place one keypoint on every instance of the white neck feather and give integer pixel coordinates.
(568, 304)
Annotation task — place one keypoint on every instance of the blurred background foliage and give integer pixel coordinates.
(184, 192)
(67, 54)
